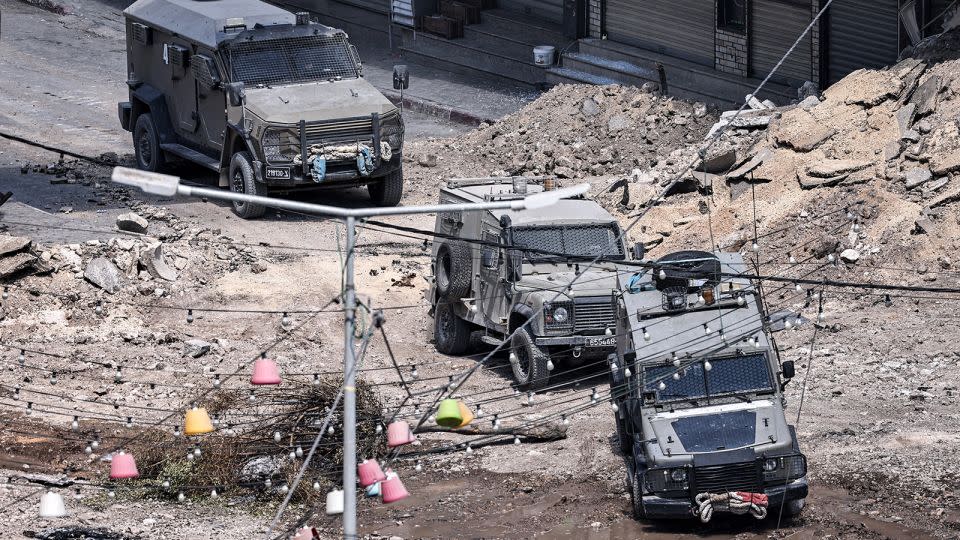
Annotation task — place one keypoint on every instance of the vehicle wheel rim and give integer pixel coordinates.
(238, 187)
(146, 151)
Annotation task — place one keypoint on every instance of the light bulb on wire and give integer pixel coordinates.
(189, 316)
(646, 335)
(550, 365)
(285, 320)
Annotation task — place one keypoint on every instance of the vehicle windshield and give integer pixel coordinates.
(727, 376)
(573, 241)
(292, 60)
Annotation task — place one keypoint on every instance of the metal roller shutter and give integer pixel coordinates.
(682, 28)
(861, 34)
(377, 6)
(548, 10)
(774, 26)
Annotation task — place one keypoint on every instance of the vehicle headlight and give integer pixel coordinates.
(557, 316)
(678, 475)
(667, 480)
(391, 130)
(783, 468)
(278, 146)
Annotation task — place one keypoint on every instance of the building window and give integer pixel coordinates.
(732, 15)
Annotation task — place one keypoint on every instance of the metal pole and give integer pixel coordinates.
(349, 394)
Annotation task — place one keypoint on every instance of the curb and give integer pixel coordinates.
(49, 5)
(436, 109)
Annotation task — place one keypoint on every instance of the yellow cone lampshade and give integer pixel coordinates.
(197, 422)
(465, 414)
(448, 415)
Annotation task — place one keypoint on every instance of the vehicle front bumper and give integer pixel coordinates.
(664, 508)
(591, 342)
(346, 177)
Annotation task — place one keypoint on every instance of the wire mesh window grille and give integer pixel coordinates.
(573, 241)
(733, 375)
(292, 60)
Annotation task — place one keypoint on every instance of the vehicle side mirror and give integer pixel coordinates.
(401, 77)
(788, 369)
(236, 94)
(638, 251)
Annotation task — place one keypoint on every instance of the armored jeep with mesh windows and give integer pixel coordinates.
(494, 271)
(268, 99)
(698, 386)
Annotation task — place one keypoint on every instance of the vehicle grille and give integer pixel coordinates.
(349, 130)
(593, 316)
(723, 478)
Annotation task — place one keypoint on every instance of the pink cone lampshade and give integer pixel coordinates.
(305, 533)
(265, 371)
(399, 434)
(370, 472)
(392, 489)
(123, 466)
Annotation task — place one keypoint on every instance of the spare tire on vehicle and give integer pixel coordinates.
(454, 269)
(682, 266)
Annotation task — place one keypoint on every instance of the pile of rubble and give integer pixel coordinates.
(18, 256)
(571, 131)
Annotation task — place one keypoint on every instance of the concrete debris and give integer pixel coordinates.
(743, 170)
(427, 160)
(945, 163)
(618, 123)
(850, 255)
(808, 89)
(799, 130)
(151, 259)
(589, 107)
(917, 177)
(809, 102)
(718, 161)
(830, 168)
(13, 244)
(132, 222)
(755, 103)
(195, 348)
(15, 264)
(104, 274)
(923, 226)
(905, 117)
(927, 96)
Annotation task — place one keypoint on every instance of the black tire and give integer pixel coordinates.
(636, 495)
(454, 270)
(451, 334)
(387, 191)
(530, 366)
(146, 144)
(794, 507)
(242, 180)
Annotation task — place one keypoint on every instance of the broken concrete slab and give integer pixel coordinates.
(13, 244)
(809, 102)
(152, 259)
(917, 176)
(618, 122)
(923, 226)
(718, 161)
(830, 168)
(799, 130)
(132, 222)
(589, 107)
(892, 150)
(850, 255)
(927, 96)
(751, 164)
(104, 274)
(811, 182)
(16, 263)
(934, 186)
(910, 135)
(945, 163)
(905, 117)
(195, 348)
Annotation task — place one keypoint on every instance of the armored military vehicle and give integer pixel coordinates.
(698, 385)
(268, 99)
(495, 270)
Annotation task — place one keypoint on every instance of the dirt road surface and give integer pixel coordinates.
(882, 455)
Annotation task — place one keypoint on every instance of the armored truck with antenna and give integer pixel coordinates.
(269, 100)
(697, 386)
(525, 276)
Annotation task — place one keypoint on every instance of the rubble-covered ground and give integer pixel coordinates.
(99, 281)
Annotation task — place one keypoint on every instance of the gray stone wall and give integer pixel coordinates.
(731, 55)
(595, 16)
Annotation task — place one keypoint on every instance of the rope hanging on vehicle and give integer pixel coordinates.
(736, 502)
